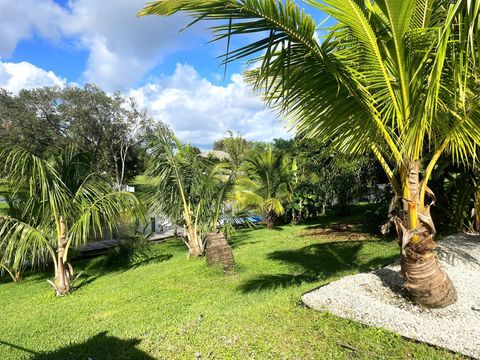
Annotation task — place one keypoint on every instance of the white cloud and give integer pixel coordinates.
(20, 18)
(201, 112)
(122, 47)
(23, 75)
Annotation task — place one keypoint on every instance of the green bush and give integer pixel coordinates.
(131, 251)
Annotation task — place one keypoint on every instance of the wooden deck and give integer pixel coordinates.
(102, 247)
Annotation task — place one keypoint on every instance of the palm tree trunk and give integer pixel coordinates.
(270, 219)
(194, 248)
(477, 210)
(425, 281)
(62, 286)
(14, 274)
(219, 252)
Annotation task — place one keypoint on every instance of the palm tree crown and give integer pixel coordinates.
(266, 185)
(54, 201)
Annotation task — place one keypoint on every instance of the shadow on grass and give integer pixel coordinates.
(151, 260)
(314, 263)
(92, 270)
(84, 280)
(353, 225)
(100, 346)
(121, 265)
(355, 215)
(242, 237)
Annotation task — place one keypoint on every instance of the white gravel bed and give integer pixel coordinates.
(373, 299)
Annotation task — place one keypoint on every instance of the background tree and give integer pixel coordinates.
(348, 180)
(124, 135)
(31, 120)
(323, 178)
(456, 206)
(236, 146)
(394, 77)
(111, 127)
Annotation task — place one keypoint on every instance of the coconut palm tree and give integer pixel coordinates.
(266, 186)
(394, 77)
(55, 205)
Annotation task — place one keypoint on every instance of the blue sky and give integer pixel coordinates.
(176, 76)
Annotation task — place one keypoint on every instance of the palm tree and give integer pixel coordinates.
(56, 205)
(181, 184)
(266, 185)
(394, 77)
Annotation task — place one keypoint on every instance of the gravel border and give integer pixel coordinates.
(376, 299)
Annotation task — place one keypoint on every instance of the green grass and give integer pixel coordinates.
(168, 306)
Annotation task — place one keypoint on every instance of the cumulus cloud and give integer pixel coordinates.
(122, 47)
(201, 112)
(23, 75)
(20, 18)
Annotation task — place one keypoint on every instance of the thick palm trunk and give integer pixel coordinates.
(218, 251)
(270, 219)
(425, 281)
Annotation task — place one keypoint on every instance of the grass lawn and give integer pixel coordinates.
(167, 306)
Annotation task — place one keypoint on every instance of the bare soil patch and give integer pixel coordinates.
(339, 232)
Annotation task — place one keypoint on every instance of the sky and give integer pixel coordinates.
(176, 76)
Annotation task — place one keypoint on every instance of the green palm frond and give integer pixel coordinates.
(182, 185)
(48, 195)
(97, 215)
(24, 243)
(245, 199)
(266, 183)
(275, 206)
(396, 77)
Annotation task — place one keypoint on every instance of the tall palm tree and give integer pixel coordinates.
(266, 186)
(57, 205)
(394, 77)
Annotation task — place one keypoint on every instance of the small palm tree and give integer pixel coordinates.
(398, 78)
(181, 184)
(266, 185)
(57, 205)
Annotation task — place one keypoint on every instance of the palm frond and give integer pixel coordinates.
(104, 213)
(24, 243)
(396, 77)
